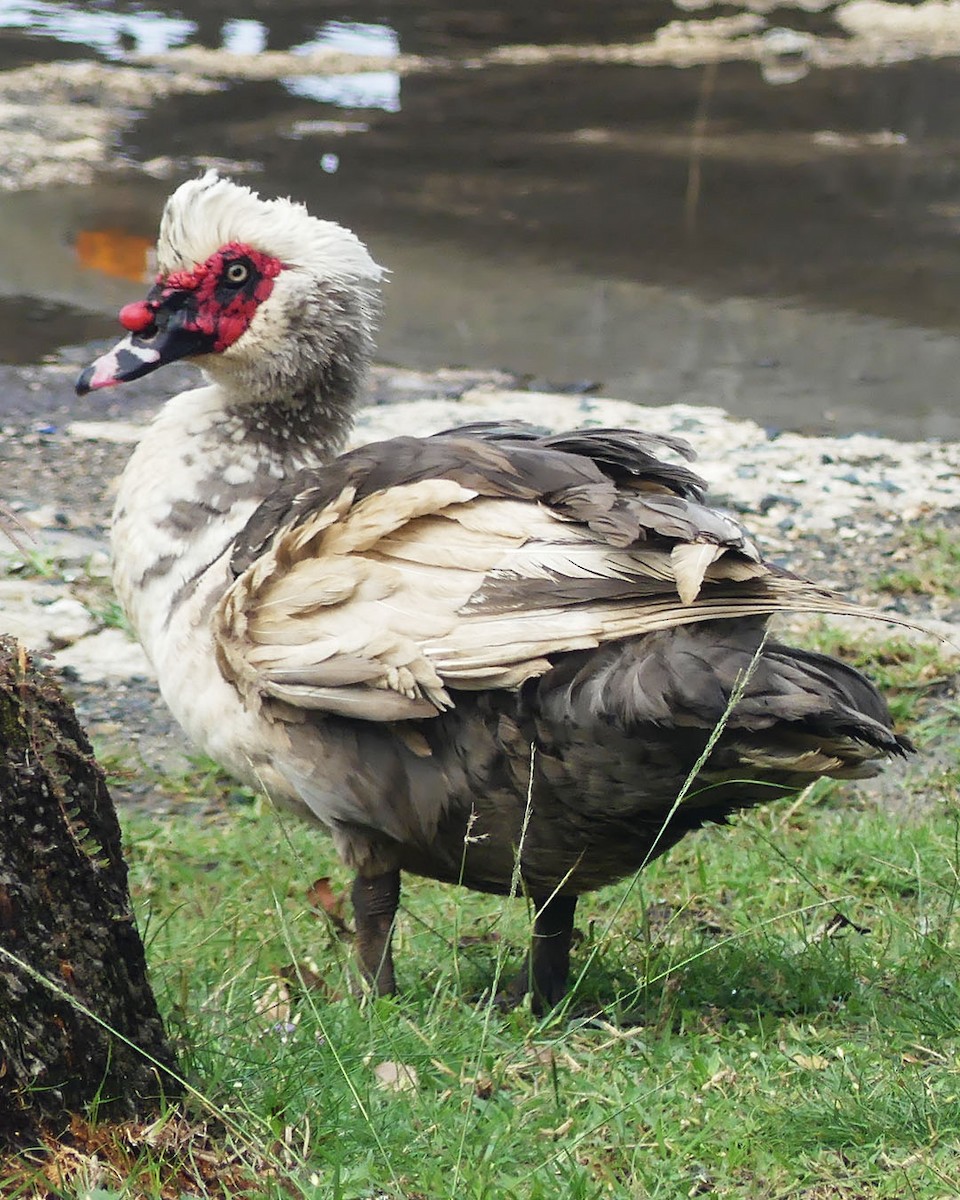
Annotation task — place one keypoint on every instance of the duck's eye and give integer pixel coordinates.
(237, 273)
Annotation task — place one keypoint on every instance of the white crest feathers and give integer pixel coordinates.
(204, 214)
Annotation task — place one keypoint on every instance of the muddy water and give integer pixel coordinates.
(779, 242)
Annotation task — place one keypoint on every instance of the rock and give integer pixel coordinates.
(106, 656)
(126, 433)
(42, 615)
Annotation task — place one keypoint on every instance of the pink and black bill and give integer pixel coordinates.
(162, 329)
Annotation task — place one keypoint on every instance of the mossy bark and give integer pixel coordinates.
(78, 1021)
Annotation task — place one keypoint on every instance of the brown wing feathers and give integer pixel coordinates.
(511, 461)
(473, 557)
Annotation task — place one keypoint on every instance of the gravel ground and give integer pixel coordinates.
(836, 509)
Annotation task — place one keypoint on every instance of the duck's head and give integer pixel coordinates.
(271, 302)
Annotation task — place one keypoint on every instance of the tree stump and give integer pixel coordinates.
(78, 1021)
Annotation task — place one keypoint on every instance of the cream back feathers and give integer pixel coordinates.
(204, 214)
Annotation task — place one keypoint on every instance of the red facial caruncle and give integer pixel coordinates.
(217, 299)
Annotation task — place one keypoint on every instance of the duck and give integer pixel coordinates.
(521, 662)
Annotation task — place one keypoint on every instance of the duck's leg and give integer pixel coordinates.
(375, 902)
(547, 967)
(550, 951)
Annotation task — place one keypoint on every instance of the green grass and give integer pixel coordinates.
(723, 1042)
(931, 559)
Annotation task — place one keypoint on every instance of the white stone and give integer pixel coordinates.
(43, 616)
(121, 433)
(106, 656)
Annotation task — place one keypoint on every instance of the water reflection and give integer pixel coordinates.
(354, 37)
(114, 252)
(125, 36)
(244, 36)
(114, 35)
(367, 89)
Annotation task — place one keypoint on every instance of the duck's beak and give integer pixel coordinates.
(129, 359)
(161, 331)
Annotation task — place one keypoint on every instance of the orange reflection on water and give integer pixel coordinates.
(114, 252)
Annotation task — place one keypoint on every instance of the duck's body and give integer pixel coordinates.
(488, 657)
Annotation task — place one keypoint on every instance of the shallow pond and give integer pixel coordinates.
(765, 234)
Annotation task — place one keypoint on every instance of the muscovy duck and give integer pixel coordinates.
(492, 656)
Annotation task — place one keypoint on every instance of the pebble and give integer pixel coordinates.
(42, 615)
(107, 655)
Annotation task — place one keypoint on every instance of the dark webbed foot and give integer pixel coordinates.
(547, 966)
(375, 902)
